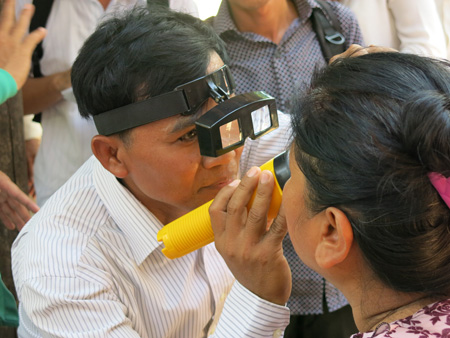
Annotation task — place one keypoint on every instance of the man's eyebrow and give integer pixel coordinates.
(184, 122)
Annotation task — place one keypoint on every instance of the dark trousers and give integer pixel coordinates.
(336, 324)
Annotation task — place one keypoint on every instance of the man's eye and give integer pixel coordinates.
(189, 136)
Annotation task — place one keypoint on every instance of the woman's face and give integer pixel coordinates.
(302, 225)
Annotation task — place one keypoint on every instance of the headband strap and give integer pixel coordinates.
(442, 185)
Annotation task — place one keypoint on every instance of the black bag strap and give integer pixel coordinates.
(41, 13)
(329, 31)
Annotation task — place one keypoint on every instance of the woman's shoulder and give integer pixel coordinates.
(431, 321)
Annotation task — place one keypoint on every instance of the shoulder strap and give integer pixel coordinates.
(41, 13)
(329, 31)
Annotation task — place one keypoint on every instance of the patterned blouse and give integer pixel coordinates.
(431, 321)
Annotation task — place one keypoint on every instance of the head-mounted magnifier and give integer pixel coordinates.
(222, 129)
(226, 126)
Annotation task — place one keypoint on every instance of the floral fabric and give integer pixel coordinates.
(432, 321)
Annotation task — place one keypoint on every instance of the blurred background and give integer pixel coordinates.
(207, 8)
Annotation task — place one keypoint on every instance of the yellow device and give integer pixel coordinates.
(193, 230)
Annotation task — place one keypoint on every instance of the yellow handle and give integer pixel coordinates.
(187, 233)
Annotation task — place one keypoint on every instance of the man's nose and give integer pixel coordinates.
(210, 162)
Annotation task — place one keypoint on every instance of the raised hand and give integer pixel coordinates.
(252, 251)
(15, 205)
(17, 47)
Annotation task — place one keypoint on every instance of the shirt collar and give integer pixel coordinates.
(223, 21)
(138, 224)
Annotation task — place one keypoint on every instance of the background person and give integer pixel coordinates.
(409, 26)
(443, 7)
(273, 47)
(15, 205)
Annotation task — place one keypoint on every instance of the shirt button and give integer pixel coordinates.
(223, 296)
(277, 333)
(277, 54)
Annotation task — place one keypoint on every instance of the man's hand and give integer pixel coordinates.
(14, 204)
(253, 253)
(15, 54)
(357, 50)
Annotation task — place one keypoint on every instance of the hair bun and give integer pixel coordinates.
(426, 130)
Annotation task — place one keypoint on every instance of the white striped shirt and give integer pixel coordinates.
(89, 265)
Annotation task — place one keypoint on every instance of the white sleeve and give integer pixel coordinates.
(71, 307)
(418, 27)
(31, 130)
(247, 315)
(443, 7)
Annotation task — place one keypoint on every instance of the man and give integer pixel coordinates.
(89, 263)
(66, 136)
(273, 47)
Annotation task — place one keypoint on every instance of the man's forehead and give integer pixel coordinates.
(186, 99)
(184, 121)
(215, 63)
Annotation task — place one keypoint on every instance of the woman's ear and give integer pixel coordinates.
(336, 238)
(108, 150)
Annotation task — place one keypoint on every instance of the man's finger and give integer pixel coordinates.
(243, 193)
(12, 219)
(352, 51)
(257, 216)
(218, 208)
(6, 221)
(20, 210)
(278, 229)
(12, 191)
(7, 16)
(22, 25)
(32, 40)
(28, 203)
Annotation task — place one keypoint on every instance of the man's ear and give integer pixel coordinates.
(336, 238)
(108, 150)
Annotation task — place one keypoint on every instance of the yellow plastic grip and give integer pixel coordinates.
(193, 230)
(187, 233)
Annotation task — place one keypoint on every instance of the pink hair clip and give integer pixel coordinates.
(442, 185)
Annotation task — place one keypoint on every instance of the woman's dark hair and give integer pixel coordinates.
(140, 53)
(367, 133)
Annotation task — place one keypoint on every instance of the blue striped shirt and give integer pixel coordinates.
(88, 264)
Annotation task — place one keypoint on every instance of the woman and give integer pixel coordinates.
(368, 202)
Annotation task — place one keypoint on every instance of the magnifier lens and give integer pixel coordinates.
(230, 134)
(261, 120)
(221, 81)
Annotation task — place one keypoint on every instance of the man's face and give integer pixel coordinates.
(165, 170)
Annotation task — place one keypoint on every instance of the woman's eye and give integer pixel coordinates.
(189, 136)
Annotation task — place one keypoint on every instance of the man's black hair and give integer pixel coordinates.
(141, 53)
